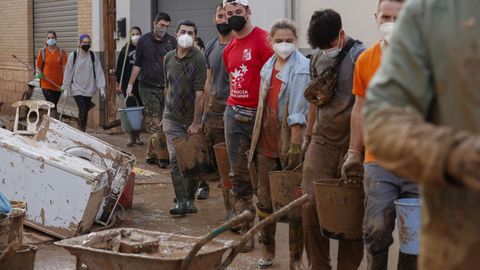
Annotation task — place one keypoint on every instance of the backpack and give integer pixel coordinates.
(43, 53)
(92, 56)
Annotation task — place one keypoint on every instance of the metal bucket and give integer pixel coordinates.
(22, 259)
(285, 187)
(4, 228)
(340, 208)
(223, 164)
(194, 155)
(408, 222)
(17, 217)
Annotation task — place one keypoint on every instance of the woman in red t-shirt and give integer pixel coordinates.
(51, 61)
(281, 116)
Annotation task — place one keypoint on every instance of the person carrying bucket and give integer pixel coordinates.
(422, 122)
(276, 139)
(125, 63)
(217, 90)
(330, 136)
(51, 62)
(381, 187)
(149, 56)
(185, 76)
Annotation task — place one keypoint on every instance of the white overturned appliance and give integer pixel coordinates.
(65, 138)
(63, 192)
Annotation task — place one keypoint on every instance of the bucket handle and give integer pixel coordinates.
(127, 97)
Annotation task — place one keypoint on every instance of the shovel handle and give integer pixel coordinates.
(262, 224)
(234, 222)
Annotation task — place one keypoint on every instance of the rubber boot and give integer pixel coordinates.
(132, 138)
(228, 202)
(378, 261)
(407, 262)
(179, 185)
(137, 140)
(240, 206)
(191, 191)
(267, 236)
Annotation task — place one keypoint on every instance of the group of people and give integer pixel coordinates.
(248, 88)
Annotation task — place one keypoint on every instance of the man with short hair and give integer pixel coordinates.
(328, 129)
(244, 58)
(151, 50)
(422, 122)
(185, 75)
(381, 187)
(217, 90)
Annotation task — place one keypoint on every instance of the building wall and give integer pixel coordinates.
(16, 19)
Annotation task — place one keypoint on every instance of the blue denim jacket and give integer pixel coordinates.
(295, 75)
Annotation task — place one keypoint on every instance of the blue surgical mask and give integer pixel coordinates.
(51, 42)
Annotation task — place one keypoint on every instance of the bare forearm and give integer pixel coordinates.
(312, 117)
(296, 134)
(135, 73)
(356, 126)
(199, 100)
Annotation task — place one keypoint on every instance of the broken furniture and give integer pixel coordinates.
(33, 115)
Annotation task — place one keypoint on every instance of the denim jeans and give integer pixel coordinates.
(238, 136)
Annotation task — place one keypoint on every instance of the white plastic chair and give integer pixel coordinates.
(33, 110)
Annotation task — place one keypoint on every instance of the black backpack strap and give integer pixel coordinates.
(92, 56)
(345, 51)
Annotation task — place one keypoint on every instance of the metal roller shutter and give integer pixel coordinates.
(60, 16)
(200, 12)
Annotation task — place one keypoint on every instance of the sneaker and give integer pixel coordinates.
(202, 193)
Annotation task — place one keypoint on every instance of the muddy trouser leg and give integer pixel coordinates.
(172, 131)
(238, 137)
(350, 254)
(264, 204)
(153, 102)
(83, 103)
(382, 188)
(295, 242)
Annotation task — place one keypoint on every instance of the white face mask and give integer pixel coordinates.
(284, 49)
(135, 39)
(333, 52)
(386, 30)
(185, 41)
(51, 42)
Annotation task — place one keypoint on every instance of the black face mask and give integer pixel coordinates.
(224, 28)
(86, 47)
(237, 22)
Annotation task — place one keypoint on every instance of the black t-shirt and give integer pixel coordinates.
(128, 65)
(150, 55)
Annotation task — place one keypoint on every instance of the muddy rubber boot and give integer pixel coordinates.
(378, 261)
(137, 140)
(191, 191)
(242, 205)
(132, 139)
(228, 202)
(407, 262)
(180, 208)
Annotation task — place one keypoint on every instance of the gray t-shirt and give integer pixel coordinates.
(333, 119)
(220, 80)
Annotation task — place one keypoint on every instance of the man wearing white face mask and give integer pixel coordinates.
(185, 76)
(328, 128)
(276, 139)
(382, 187)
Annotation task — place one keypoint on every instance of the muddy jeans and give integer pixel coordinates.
(382, 188)
(238, 136)
(214, 131)
(323, 160)
(153, 101)
(172, 131)
(265, 208)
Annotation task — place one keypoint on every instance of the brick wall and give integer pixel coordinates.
(85, 16)
(16, 19)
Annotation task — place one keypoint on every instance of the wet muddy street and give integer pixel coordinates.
(152, 201)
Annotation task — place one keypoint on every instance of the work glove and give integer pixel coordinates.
(39, 75)
(294, 155)
(102, 92)
(352, 168)
(64, 91)
(129, 89)
(306, 142)
(463, 163)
